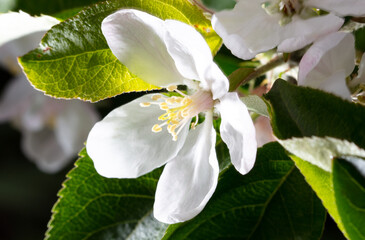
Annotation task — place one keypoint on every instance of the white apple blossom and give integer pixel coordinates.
(327, 64)
(255, 26)
(153, 130)
(53, 131)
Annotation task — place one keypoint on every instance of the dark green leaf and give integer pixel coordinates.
(271, 202)
(74, 60)
(305, 112)
(219, 5)
(37, 7)
(360, 39)
(349, 187)
(94, 207)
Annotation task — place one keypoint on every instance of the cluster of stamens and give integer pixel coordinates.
(179, 110)
(287, 8)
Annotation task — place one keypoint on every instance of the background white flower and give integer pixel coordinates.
(328, 62)
(255, 26)
(128, 143)
(53, 131)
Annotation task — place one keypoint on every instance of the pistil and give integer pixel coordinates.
(179, 110)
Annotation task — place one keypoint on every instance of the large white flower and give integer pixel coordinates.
(327, 64)
(53, 131)
(255, 26)
(154, 130)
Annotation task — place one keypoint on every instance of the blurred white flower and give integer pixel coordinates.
(264, 133)
(327, 64)
(53, 131)
(128, 142)
(255, 26)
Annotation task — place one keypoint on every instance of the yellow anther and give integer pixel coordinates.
(192, 126)
(156, 97)
(171, 88)
(185, 112)
(174, 137)
(171, 128)
(173, 121)
(156, 128)
(164, 106)
(163, 117)
(170, 100)
(145, 104)
(186, 101)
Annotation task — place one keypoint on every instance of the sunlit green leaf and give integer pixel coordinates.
(74, 60)
(321, 151)
(349, 187)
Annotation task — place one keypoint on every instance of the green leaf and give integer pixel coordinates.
(74, 60)
(93, 207)
(305, 112)
(256, 104)
(320, 181)
(360, 39)
(273, 201)
(236, 78)
(219, 5)
(349, 187)
(321, 151)
(36, 7)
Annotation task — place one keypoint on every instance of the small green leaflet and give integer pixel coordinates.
(273, 201)
(93, 207)
(256, 104)
(74, 61)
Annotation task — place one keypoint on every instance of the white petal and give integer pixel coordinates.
(73, 123)
(123, 145)
(322, 68)
(215, 81)
(17, 25)
(238, 132)
(340, 7)
(247, 29)
(136, 39)
(15, 99)
(299, 33)
(193, 58)
(188, 48)
(189, 180)
(44, 150)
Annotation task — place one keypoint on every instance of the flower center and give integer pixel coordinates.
(287, 9)
(179, 110)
